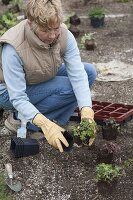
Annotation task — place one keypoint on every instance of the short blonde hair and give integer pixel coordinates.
(44, 14)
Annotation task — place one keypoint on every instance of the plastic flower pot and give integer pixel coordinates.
(22, 147)
(90, 44)
(105, 187)
(1, 113)
(105, 157)
(110, 133)
(97, 22)
(74, 30)
(70, 141)
(106, 151)
(75, 20)
(6, 2)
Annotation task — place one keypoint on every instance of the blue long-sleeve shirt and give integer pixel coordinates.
(15, 81)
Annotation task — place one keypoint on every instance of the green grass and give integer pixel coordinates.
(3, 190)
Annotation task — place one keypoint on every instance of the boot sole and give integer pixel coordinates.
(9, 127)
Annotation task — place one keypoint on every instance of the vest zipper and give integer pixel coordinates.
(52, 57)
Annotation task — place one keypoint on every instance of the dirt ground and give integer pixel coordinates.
(51, 175)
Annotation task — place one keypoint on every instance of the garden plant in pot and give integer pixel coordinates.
(6, 2)
(74, 19)
(85, 133)
(97, 16)
(106, 177)
(71, 22)
(110, 129)
(107, 151)
(88, 41)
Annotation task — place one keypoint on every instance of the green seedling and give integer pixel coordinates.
(85, 131)
(7, 20)
(128, 163)
(123, 1)
(107, 173)
(86, 36)
(17, 3)
(96, 12)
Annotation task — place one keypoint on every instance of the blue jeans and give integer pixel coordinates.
(55, 98)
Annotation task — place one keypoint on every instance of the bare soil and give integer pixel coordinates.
(51, 175)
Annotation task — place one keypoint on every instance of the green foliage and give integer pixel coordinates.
(85, 130)
(86, 36)
(7, 20)
(107, 173)
(18, 3)
(96, 12)
(3, 189)
(128, 163)
(123, 1)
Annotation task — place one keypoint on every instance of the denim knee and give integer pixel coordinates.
(91, 72)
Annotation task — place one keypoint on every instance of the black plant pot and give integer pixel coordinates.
(6, 2)
(74, 30)
(74, 20)
(105, 188)
(22, 147)
(109, 133)
(105, 157)
(90, 45)
(1, 113)
(77, 140)
(97, 22)
(70, 141)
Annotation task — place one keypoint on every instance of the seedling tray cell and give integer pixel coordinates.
(104, 110)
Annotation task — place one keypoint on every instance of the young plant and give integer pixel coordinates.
(107, 173)
(86, 37)
(96, 12)
(7, 20)
(123, 1)
(128, 163)
(85, 131)
(107, 151)
(17, 4)
(97, 16)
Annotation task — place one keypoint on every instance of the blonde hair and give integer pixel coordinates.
(44, 14)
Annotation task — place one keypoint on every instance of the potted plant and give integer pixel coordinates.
(88, 41)
(97, 15)
(69, 21)
(85, 132)
(16, 6)
(74, 19)
(74, 30)
(106, 152)
(107, 176)
(6, 2)
(110, 129)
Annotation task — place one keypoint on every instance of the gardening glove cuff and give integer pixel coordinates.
(53, 133)
(87, 113)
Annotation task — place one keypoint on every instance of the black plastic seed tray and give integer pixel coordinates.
(104, 110)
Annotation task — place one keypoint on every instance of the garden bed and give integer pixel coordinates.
(51, 175)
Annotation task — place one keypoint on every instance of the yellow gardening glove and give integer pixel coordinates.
(53, 133)
(88, 113)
